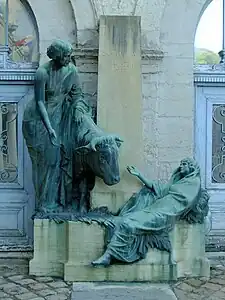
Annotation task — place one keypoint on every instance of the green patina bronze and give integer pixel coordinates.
(147, 217)
(66, 147)
(68, 150)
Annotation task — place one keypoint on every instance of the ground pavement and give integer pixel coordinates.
(25, 287)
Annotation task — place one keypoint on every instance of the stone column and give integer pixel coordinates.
(119, 105)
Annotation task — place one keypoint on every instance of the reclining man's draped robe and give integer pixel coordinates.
(152, 211)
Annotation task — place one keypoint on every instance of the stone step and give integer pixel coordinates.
(95, 291)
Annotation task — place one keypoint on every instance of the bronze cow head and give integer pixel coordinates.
(102, 155)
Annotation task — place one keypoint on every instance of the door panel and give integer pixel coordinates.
(210, 149)
(16, 189)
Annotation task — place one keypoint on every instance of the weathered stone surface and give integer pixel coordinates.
(119, 64)
(191, 260)
(50, 249)
(38, 286)
(58, 284)
(26, 296)
(46, 292)
(26, 281)
(44, 279)
(56, 297)
(124, 292)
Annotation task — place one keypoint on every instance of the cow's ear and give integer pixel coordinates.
(118, 144)
(119, 141)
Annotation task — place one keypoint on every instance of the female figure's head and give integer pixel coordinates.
(189, 166)
(60, 52)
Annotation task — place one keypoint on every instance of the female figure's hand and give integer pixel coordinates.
(53, 137)
(78, 116)
(133, 170)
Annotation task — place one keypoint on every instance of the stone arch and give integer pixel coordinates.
(181, 30)
(55, 20)
(205, 5)
(86, 15)
(34, 21)
(218, 27)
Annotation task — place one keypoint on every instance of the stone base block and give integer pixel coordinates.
(188, 244)
(50, 248)
(121, 273)
(122, 291)
(86, 243)
(67, 250)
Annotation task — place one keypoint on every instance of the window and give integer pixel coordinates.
(18, 31)
(209, 34)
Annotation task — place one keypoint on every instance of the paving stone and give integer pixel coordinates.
(66, 291)
(27, 296)
(212, 286)
(38, 286)
(44, 279)
(216, 272)
(204, 279)
(13, 289)
(16, 290)
(39, 298)
(203, 292)
(181, 294)
(16, 278)
(3, 281)
(46, 292)
(58, 284)
(27, 281)
(7, 285)
(185, 287)
(194, 282)
(220, 267)
(217, 296)
(57, 297)
(2, 294)
(217, 281)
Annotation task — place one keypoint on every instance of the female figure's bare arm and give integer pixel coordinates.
(39, 92)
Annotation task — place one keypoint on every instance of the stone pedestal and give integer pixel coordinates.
(67, 250)
(82, 251)
(188, 244)
(50, 248)
(119, 105)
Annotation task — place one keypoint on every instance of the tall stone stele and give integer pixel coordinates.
(119, 105)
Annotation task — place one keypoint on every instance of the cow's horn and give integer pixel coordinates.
(93, 144)
(118, 139)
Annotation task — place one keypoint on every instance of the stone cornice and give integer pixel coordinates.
(209, 73)
(92, 53)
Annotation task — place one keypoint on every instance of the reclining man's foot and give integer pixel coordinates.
(104, 260)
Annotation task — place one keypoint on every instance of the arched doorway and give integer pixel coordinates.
(209, 77)
(18, 62)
